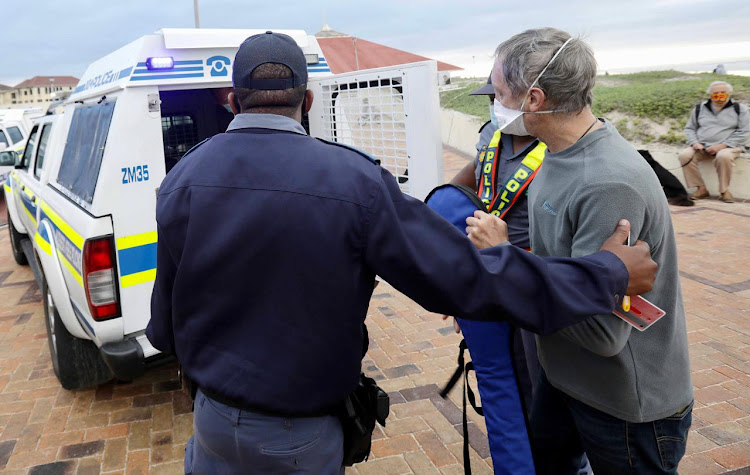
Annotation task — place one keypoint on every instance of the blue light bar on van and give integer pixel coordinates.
(157, 63)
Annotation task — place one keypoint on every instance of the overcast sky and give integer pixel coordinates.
(61, 37)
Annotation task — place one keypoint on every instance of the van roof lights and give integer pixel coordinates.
(159, 63)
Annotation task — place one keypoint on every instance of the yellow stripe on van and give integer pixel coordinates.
(70, 268)
(7, 189)
(31, 216)
(136, 240)
(27, 192)
(74, 237)
(43, 245)
(138, 278)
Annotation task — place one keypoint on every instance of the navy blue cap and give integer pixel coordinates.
(486, 90)
(269, 47)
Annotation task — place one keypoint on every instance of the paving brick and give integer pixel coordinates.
(137, 463)
(713, 394)
(60, 439)
(718, 413)
(434, 448)
(83, 449)
(413, 408)
(6, 449)
(404, 426)
(420, 463)
(700, 464)
(54, 468)
(732, 456)
(140, 435)
(109, 432)
(390, 465)
(394, 445)
(130, 415)
(421, 392)
(115, 451)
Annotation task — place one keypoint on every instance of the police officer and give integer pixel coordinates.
(510, 153)
(269, 242)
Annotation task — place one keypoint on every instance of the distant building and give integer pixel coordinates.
(37, 91)
(345, 53)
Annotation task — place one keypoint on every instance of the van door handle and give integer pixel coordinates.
(33, 199)
(23, 187)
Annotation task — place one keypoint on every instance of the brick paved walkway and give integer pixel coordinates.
(143, 426)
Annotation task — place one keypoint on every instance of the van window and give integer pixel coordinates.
(15, 134)
(3, 140)
(28, 152)
(84, 149)
(43, 139)
(180, 135)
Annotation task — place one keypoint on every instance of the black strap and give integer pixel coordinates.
(464, 368)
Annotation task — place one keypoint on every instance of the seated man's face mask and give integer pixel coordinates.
(510, 121)
(720, 97)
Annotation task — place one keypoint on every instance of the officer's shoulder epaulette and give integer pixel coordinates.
(483, 126)
(195, 146)
(349, 147)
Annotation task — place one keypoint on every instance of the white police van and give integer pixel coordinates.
(82, 198)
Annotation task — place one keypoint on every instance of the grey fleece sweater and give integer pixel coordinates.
(575, 202)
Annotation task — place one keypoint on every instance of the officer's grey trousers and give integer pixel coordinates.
(229, 440)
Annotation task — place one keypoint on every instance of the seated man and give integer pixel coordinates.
(717, 130)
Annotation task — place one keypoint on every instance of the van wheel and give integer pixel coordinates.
(15, 243)
(77, 362)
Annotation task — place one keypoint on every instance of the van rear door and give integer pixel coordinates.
(390, 113)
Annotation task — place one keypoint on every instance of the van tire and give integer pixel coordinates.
(15, 243)
(77, 362)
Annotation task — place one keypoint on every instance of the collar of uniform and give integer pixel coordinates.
(508, 142)
(266, 121)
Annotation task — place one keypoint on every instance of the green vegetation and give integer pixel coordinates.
(646, 99)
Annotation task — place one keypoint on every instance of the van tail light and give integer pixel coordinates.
(99, 278)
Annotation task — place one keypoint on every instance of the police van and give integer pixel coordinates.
(14, 128)
(82, 196)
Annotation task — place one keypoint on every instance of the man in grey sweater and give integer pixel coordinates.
(622, 396)
(717, 130)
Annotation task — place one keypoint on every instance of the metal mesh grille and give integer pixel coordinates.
(371, 116)
(180, 135)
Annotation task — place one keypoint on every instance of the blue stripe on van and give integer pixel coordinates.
(137, 259)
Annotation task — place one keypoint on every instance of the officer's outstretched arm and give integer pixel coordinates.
(429, 260)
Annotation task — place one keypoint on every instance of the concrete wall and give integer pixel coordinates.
(460, 131)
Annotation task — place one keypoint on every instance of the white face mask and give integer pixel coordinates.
(493, 119)
(510, 121)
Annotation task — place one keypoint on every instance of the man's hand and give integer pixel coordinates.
(714, 149)
(637, 259)
(455, 323)
(697, 146)
(486, 230)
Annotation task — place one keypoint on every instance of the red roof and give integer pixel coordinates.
(37, 81)
(340, 55)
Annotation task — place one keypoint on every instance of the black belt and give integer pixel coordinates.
(329, 411)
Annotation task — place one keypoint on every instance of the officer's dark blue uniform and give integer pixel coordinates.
(269, 242)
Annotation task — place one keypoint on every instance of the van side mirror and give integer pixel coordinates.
(8, 158)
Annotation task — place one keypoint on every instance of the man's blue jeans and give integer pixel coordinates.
(563, 428)
(229, 440)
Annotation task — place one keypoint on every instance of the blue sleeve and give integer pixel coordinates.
(432, 262)
(159, 330)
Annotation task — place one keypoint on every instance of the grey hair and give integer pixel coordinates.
(719, 83)
(568, 82)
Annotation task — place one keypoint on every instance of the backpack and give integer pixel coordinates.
(491, 347)
(735, 106)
